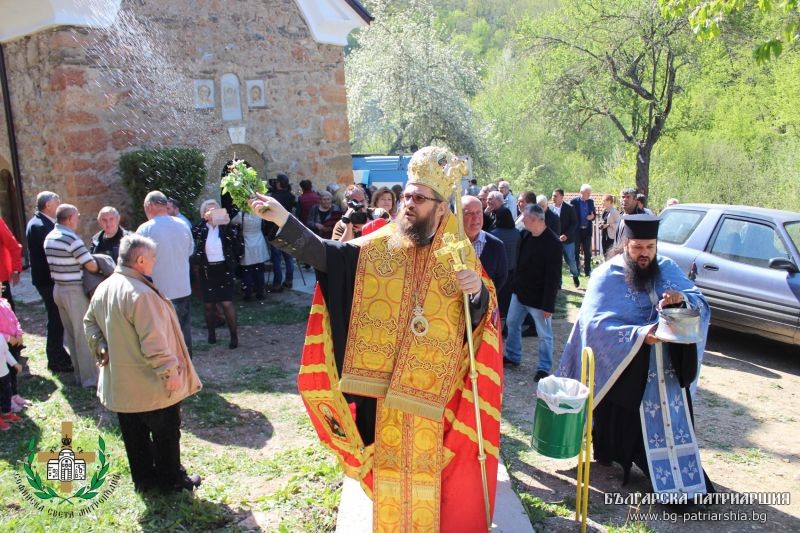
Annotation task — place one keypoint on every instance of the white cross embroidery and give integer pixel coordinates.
(632, 295)
(670, 285)
(676, 403)
(651, 376)
(690, 470)
(682, 436)
(671, 371)
(651, 408)
(622, 337)
(656, 441)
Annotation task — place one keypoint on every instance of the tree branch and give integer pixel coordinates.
(562, 42)
(613, 118)
(634, 67)
(661, 118)
(635, 87)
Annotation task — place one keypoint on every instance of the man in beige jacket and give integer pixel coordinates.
(145, 367)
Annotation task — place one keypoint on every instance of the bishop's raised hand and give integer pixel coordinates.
(269, 209)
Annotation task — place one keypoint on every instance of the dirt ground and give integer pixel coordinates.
(746, 416)
(746, 413)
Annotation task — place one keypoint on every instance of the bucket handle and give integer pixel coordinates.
(584, 457)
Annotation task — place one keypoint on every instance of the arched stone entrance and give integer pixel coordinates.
(234, 151)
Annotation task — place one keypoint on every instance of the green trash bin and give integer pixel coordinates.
(558, 427)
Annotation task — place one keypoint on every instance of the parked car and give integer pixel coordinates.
(744, 260)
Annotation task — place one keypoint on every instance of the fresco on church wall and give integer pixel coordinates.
(204, 94)
(231, 102)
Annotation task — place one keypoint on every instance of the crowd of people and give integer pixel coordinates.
(118, 317)
(115, 304)
(384, 309)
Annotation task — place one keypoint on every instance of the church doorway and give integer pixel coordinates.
(11, 202)
(219, 168)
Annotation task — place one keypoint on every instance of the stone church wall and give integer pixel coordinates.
(81, 97)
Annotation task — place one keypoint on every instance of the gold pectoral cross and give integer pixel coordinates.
(453, 248)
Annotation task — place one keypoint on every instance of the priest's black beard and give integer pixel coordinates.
(418, 232)
(640, 278)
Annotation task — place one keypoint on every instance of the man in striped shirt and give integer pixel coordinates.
(67, 256)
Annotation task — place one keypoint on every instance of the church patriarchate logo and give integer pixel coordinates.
(67, 467)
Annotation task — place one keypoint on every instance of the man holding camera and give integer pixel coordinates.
(357, 214)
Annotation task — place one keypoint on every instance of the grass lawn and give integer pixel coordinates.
(245, 433)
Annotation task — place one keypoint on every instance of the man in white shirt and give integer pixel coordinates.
(174, 246)
(508, 198)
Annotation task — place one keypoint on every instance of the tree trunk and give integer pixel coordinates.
(643, 168)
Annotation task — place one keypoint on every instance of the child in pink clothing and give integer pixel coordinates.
(6, 415)
(12, 333)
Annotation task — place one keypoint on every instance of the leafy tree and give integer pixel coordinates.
(407, 86)
(614, 60)
(735, 132)
(481, 27)
(526, 148)
(732, 134)
(707, 16)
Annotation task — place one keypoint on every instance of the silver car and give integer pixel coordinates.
(744, 260)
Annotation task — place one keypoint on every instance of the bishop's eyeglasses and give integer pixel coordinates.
(417, 198)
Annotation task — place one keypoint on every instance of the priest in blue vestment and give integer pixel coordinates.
(643, 409)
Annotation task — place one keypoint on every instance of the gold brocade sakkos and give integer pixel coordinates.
(411, 370)
(385, 357)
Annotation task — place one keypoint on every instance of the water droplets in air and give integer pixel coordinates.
(145, 85)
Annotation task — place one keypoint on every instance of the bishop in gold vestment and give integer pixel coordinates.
(385, 363)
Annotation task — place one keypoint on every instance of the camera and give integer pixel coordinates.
(360, 215)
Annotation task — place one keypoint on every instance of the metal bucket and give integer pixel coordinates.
(680, 325)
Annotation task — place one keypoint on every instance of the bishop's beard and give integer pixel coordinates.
(418, 233)
(638, 277)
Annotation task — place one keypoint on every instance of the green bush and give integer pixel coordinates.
(177, 172)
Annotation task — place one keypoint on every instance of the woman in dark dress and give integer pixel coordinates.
(217, 249)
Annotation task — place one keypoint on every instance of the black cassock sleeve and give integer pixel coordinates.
(335, 264)
(337, 285)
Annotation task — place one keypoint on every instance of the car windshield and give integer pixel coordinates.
(677, 224)
(793, 229)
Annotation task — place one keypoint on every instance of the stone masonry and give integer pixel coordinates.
(81, 97)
